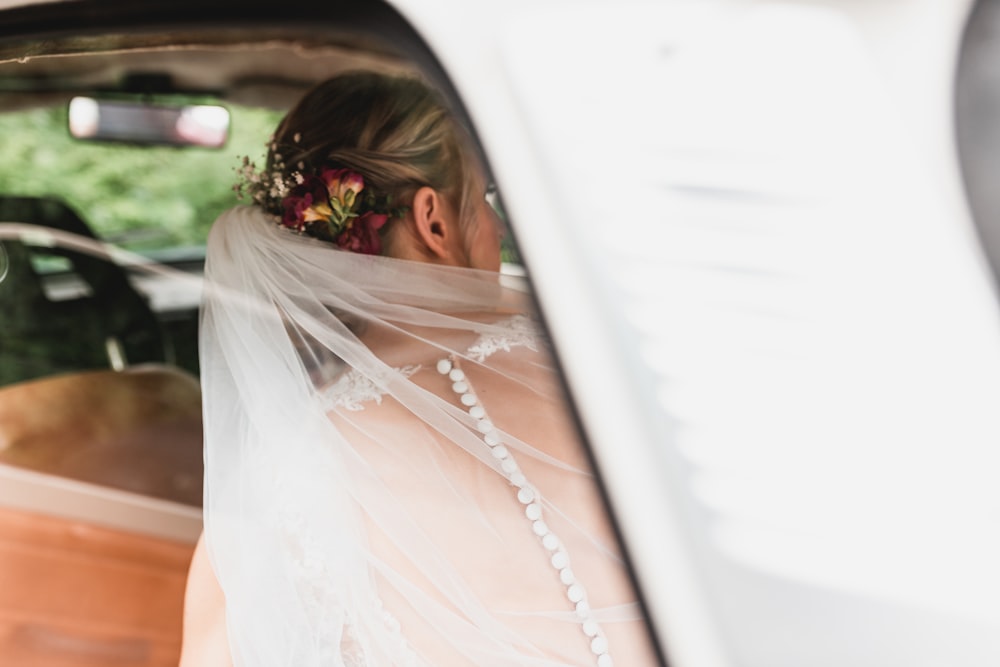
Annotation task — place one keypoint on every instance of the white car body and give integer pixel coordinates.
(852, 471)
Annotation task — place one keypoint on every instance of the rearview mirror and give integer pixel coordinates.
(143, 123)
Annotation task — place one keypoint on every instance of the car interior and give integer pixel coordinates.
(122, 129)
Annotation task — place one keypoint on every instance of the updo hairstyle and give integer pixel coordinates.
(394, 131)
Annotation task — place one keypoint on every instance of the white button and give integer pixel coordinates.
(599, 645)
(560, 560)
(457, 375)
(533, 511)
(566, 576)
(477, 412)
(468, 400)
(540, 528)
(550, 542)
(460, 387)
(500, 452)
(605, 661)
(444, 366)
(590, 627)
(583, 609)
(492, 438)
(484, 425)
(526, 495)
(509, 466)
(575, 593)
(518, 479)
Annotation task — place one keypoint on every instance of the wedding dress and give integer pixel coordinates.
(392, 477)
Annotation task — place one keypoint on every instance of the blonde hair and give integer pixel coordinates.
(395, 131)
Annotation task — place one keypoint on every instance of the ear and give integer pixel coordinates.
(436, 225)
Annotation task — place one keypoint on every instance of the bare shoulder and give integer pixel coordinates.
(205, 643)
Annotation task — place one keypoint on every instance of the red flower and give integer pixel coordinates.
(305, 203)
(361, 234)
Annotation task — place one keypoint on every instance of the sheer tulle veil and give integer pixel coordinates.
(346, 487)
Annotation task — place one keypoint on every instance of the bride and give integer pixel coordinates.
(391, 475)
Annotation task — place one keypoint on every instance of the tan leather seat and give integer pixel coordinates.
(137, 429)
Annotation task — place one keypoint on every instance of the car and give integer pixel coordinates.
(761, 237)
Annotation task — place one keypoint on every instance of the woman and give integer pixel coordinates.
(391, 477)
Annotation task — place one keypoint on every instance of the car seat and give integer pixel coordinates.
(137, 430)
(65, 310)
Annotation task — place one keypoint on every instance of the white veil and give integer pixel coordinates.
(354, 515)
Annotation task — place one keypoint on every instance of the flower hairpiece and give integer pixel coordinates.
(332, 204)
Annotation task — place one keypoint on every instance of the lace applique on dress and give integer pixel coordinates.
(519, 331)
(353, 389)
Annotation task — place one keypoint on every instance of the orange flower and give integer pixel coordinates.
(344, 187)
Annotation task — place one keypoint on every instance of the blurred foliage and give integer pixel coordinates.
(143, 198)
